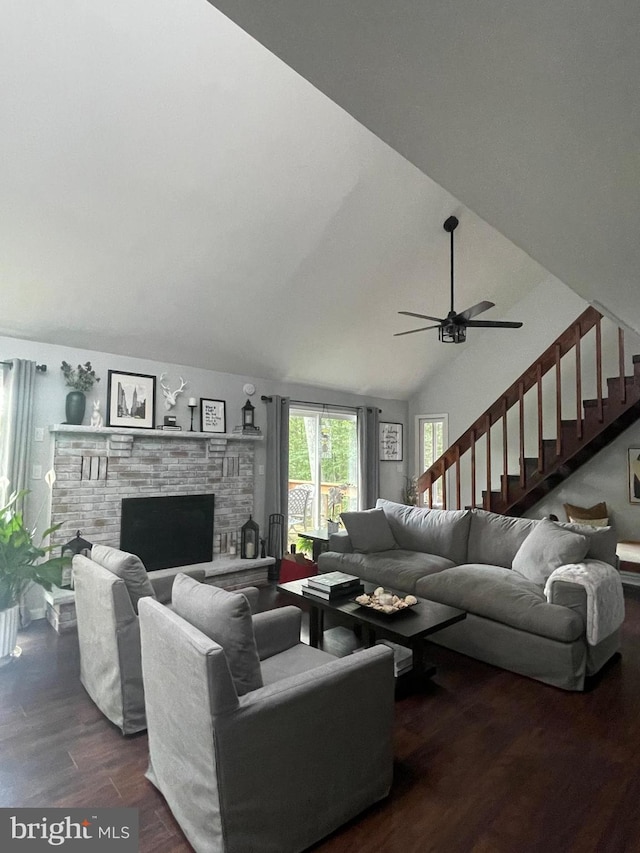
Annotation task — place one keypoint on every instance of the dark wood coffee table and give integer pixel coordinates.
(407, 628)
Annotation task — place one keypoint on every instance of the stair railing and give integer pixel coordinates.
(567, 342)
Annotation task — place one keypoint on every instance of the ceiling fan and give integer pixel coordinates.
(453, 327)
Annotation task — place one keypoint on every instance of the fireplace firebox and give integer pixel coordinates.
(168, 531)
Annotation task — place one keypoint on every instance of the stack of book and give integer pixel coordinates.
(247, 430)
(332, 585)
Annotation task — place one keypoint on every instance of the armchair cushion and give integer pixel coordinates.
(225, 617)
(547, 547)
(126, 566)
(276, 631)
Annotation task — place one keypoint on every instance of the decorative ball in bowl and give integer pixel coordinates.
(385, 602)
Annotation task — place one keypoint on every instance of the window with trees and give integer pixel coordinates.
(431, 442)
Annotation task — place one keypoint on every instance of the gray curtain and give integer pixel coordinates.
(277, 485)
(17, 425)
(368, 464)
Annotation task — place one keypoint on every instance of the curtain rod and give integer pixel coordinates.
(266, 399)
(40, 368)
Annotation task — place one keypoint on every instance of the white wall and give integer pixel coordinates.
(482, 369)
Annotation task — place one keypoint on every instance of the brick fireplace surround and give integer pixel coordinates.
(96, 468)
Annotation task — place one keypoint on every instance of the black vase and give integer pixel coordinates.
(74, 407)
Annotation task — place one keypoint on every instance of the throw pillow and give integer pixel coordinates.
(225, 617)
(547, 547)
(128, 567)
(369, 531)
(594, 516)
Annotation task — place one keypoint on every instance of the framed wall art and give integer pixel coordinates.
(634, 475)
(131, 400)
(390, 442)
(213, 415)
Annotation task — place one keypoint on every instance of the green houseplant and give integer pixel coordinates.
(22, 562)
(81, 379)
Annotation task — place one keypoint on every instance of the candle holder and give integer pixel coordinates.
(192, 405)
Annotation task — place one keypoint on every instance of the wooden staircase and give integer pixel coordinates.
(499, 465)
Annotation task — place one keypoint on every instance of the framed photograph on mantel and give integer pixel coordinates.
(213, 415)
(634, 475)
(131, 400)
(390, 442)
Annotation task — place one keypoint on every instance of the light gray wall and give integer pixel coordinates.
(51, 392)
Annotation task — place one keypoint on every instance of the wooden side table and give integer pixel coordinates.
(628, 554)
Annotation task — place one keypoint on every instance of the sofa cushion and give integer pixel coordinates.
(494, 539)
(442, 532)
(503, 596)
(396, 569)
(126, 566)
(369, 531)
(602, 541)
(547, 547)
(225, 617)
(595, 516)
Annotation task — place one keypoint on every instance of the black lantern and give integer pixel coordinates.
(248, 412)
(74, 546)
(249, 539)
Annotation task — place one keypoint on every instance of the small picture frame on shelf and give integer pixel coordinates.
(390, 442)
(213, 415)
(131, 400)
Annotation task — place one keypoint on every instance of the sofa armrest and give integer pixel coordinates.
(277, 630)
(340, 542)
(570, 595)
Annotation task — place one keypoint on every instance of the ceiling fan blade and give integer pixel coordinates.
(492, 324)
(421, 316)
(411, 331)
(476, 309)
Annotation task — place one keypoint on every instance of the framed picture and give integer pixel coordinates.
(213, 415)
(131, 400)
(634, 475)
(390, 442)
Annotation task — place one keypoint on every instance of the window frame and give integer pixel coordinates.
(420, 420)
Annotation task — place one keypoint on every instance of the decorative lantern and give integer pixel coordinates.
(74, 546)
(249, 539)
(248, 413)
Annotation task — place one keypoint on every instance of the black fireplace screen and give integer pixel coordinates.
(168, 531)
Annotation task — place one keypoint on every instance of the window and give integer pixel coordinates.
(323, 467)
(431, 442)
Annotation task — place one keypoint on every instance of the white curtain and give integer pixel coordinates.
(368, 464)
(17, 425)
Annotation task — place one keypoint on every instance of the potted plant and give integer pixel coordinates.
(81, 379)
(21, 563)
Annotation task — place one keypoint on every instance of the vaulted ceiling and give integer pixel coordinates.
(171, 189)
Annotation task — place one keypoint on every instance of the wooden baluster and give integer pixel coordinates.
(599, 368)
(430, 498)
(558, 402)
(505, 453)
(444, 485)
(578, 385)
(473, 467)
(457, 476)
(523, 473)
(540, 444)
(623, 386)
(487, 502)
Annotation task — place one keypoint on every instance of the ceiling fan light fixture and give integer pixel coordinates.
(452, 334)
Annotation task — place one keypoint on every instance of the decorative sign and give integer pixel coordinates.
(390, 442)
(634, 475)
(213, 415)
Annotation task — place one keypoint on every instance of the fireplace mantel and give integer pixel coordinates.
(108, 430)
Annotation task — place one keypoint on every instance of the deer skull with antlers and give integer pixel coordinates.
(171, 396)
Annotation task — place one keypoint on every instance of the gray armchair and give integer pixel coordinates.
(270, 768)
(108, 588)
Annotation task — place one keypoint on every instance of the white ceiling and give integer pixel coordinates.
(171, 190)
(528, 111)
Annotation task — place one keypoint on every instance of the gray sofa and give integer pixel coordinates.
(478, 561)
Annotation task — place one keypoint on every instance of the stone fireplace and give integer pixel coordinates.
(97, 468)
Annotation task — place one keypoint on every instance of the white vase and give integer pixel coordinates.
(9, 622)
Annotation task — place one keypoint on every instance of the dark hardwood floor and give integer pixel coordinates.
(486, 761)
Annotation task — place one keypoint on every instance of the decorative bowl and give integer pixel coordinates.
(386, 603)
